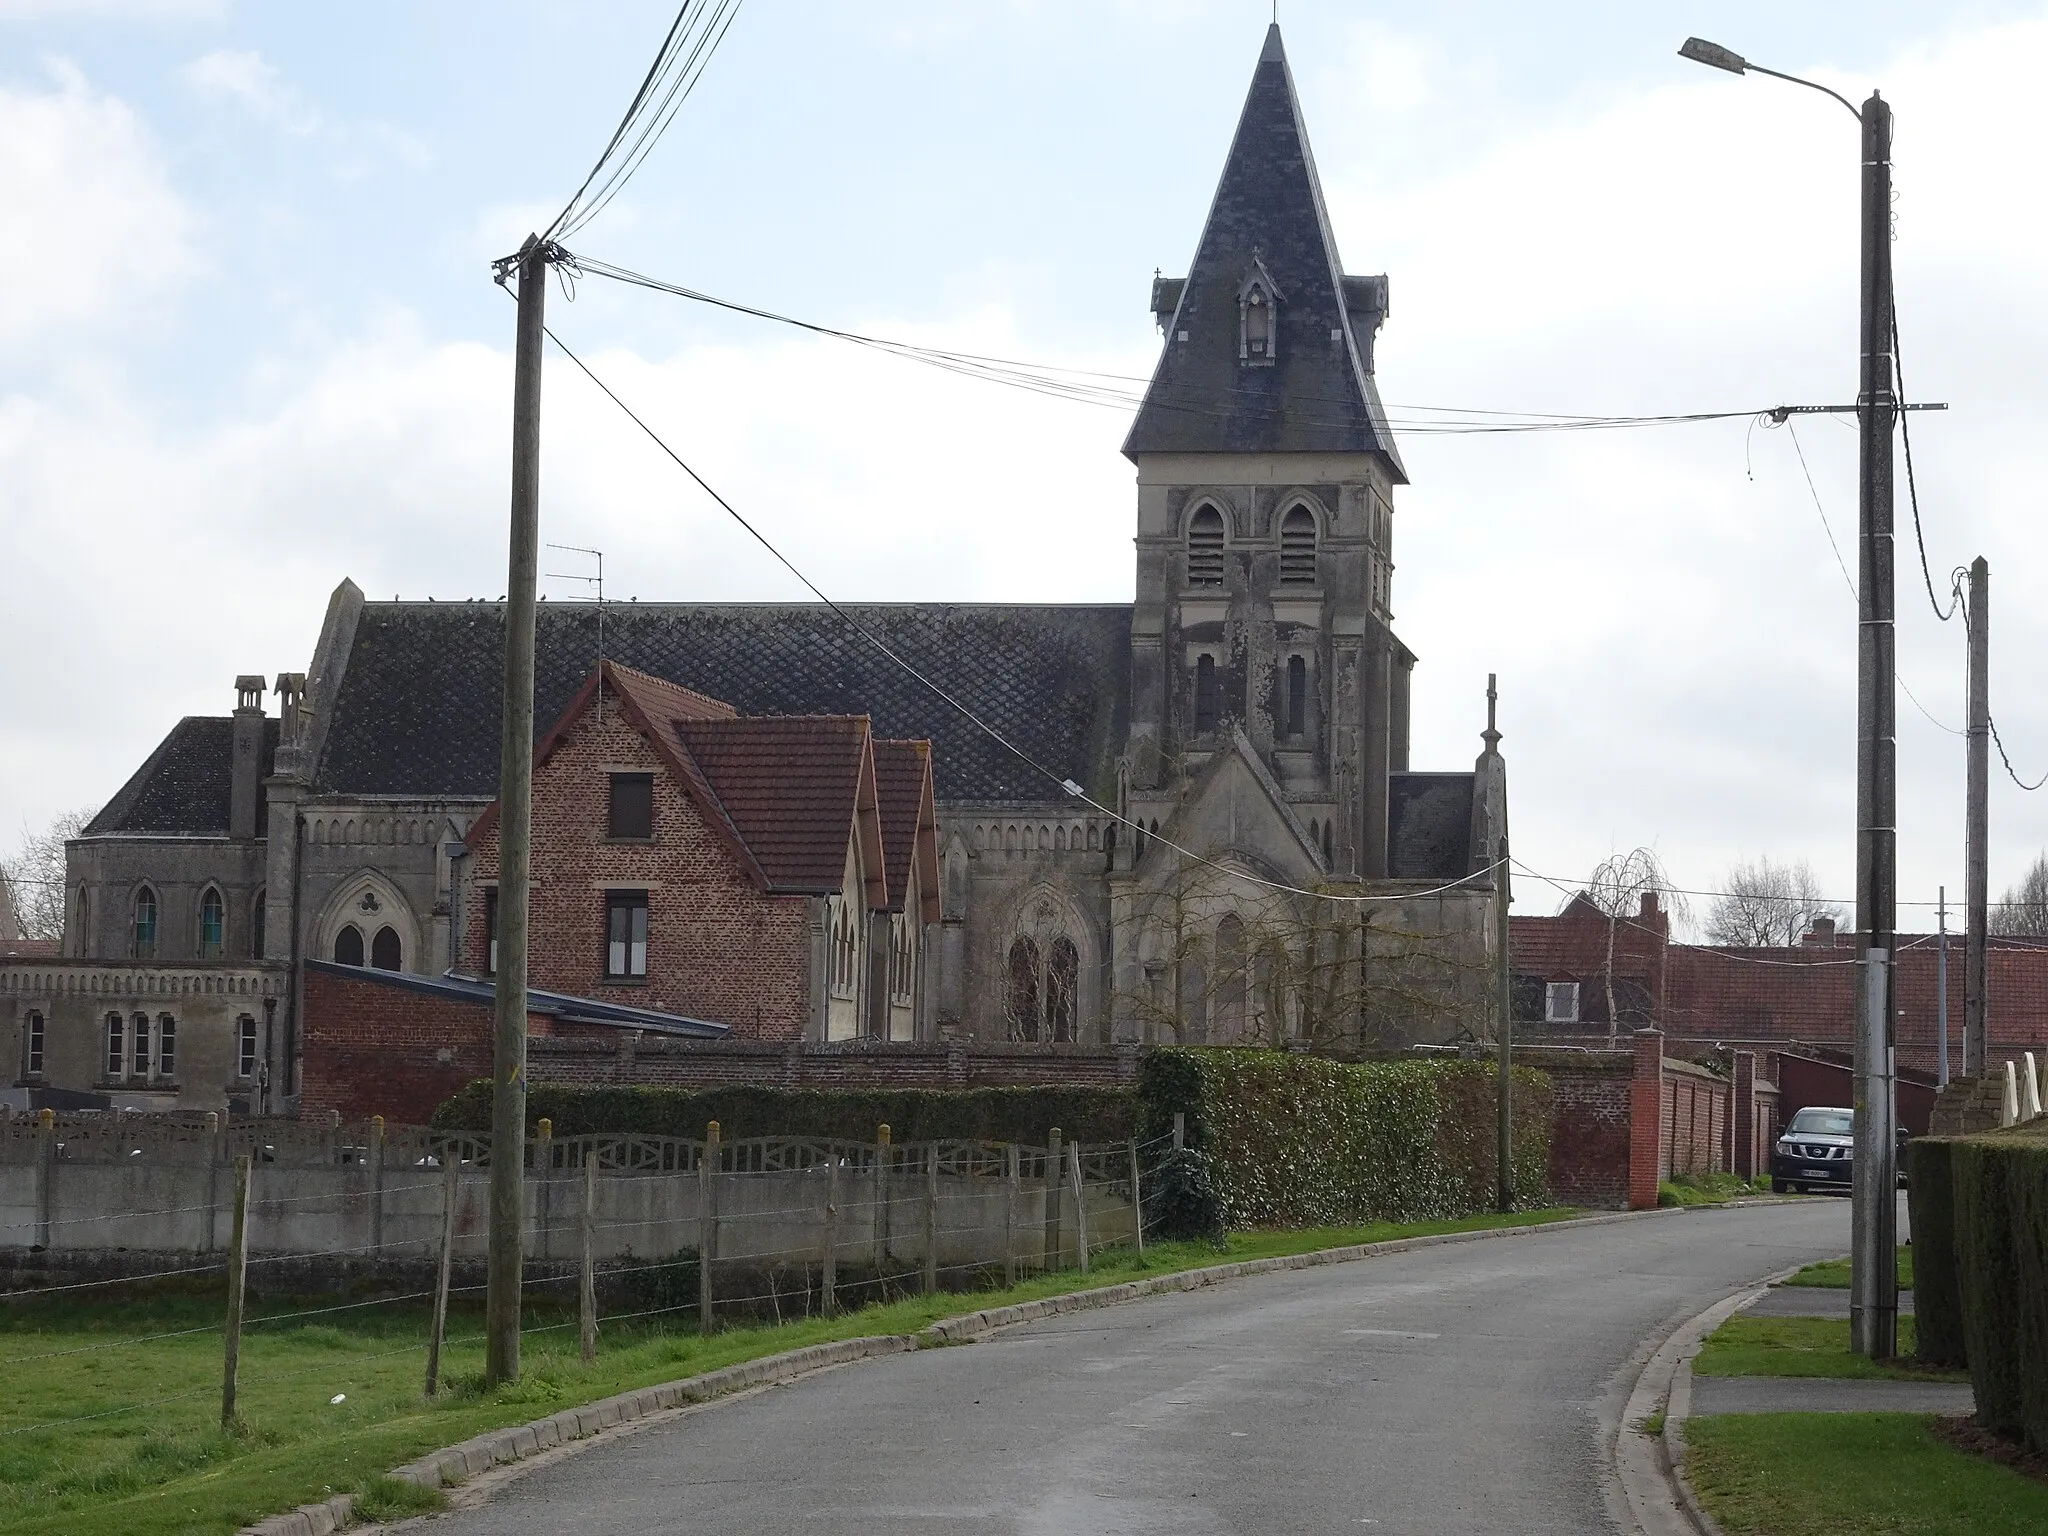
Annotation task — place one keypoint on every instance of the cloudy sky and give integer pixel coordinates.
(249, 346)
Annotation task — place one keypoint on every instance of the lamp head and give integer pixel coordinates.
(1700, 51)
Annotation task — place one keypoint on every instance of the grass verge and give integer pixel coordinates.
(1833, 1274)
(1850, 1474)
(1804, 1346)
(109, 1411)
(1709, 1189)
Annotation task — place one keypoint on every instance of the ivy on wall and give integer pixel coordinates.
(1287, 1140)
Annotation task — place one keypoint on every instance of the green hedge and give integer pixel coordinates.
(1294, 1141)
(1937, 1298)
(1090, 1115)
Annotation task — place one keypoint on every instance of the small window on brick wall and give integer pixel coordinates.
(625, 923)
(1561, 1003)
(631, 812)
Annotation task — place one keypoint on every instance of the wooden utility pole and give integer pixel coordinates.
(238, 1270)
(451, 1162)
(1503, 980)
(1976, 821)
(515, 807)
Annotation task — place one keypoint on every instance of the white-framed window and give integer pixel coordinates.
(245, 1047)
(117, 1037)
(625, 927)
(1561, 1002)
(138, 1045)
(32, 1045)
(166, 1046)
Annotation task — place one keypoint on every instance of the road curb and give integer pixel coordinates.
(456, 1464)
(1650, 1469)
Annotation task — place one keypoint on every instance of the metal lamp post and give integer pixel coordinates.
(1873, 1295)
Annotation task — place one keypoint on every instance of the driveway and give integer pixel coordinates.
(1461, 1388)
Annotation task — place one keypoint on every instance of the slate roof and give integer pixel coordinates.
(418, 708)
(553, 1005)
(901, 768)
(790, 786)
(1429, 826)
(1318, 394)
(186, 785)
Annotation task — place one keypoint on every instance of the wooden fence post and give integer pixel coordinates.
(707, 1223)
(238, 1264)
(210, 1231)
(829, 1262)
(450, 1165)
(883, 1151)
(46, 1175)
(587, 1290)
(931, 1217)
(1080, 1203)
(1137, 1204)
(1052, 1199)
(376, 1187)
(1010, 1162)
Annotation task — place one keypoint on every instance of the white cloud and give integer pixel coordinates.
(241, 76)
(100, 233)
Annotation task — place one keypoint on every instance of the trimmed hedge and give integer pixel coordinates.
(1089, 1115)
(1992, 1233)
(1937, 1298)
(1292, 1141)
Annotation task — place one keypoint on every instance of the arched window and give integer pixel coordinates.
(1298, 545)
(213, 922)
(1208, 696)
(1258, 326)
(1328, 857)
(1297, 695)
(257, 914)
(1205, 548)
(82, 946)
(1062, 980)
(1022, 1000)
(145, 924)
(902, 961)
(348, 946)
(845, 951)
(1227, 1001)
(386, 953)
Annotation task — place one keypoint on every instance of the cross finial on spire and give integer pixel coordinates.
(1491, 735)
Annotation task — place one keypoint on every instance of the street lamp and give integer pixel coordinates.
(1873, 1283)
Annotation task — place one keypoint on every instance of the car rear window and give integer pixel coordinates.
(1822, 1122)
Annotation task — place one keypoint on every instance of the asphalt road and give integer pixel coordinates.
(1461, 1388)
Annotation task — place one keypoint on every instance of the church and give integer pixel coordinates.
(1190, 817)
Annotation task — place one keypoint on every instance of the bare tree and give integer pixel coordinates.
(1768, 905)
(2023, 911)
(35, 875)
(1618, 885)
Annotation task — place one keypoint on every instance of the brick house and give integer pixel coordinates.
(774, 874)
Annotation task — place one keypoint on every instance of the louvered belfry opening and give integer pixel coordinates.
(1205, 548)
(1298, 546)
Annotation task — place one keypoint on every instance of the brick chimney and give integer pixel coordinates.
(1820, 936)
(245, 796)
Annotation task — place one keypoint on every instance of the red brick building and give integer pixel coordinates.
(774, 874)
(1711, 995)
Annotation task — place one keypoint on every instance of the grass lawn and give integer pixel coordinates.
(1803, 1346)
(1852, 1474)
(1833, 1274)
(137, 1383)
(1709, 1188)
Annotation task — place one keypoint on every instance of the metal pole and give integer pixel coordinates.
(1873, 1296)
(515, 805)
(451, 1162)
(1976, 830)
(586, 1289)
(1941, 983)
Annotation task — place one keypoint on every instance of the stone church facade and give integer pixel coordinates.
(1249, 857)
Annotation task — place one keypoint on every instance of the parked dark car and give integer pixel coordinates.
(1818, 1151)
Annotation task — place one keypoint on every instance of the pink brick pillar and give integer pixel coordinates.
(1646, 1120)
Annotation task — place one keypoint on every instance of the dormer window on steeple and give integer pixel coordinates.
(1258, 320)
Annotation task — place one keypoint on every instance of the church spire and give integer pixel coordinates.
(1268, 343)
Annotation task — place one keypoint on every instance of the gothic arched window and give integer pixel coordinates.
(212, 923)
(1205, 548)
(1298, 545)
(348, 945)
(145, 924)
(1208, 696)
(386, 953)
(1227, 1002)
(1021, 1000)
(1062, 981)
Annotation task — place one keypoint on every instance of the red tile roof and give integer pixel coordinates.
(903, 790)
(797, 789)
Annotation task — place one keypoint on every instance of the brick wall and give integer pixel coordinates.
(1695, 1130)
(666, 1063)
(1589, 1138)
(718, 948)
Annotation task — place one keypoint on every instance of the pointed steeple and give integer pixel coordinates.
(1297, 377)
